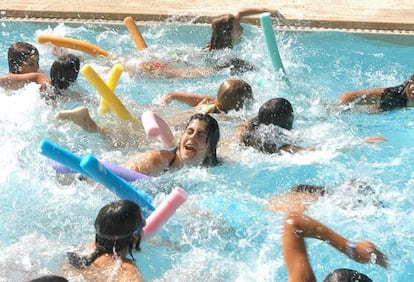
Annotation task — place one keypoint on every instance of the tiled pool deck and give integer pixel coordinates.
(382, 15)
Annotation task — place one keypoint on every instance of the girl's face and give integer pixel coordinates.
(236, 31)
(409, 91)
(193, 145)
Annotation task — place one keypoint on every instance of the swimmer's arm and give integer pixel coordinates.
(374, 139)
(367, 96)
(294, 149)
(298, 226)
(151, 162)
(190, 99)
(16, 81)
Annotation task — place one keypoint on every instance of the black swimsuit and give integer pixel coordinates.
(175, 156)
(393, 97)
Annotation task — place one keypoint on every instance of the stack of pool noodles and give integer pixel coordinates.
(91, 167)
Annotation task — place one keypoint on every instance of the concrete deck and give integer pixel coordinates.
(387, 15)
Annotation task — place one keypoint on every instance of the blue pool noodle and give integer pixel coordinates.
(62, 155)
(97, 172)
(115, 184)
(269, 35)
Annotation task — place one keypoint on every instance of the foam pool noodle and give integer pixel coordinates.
(156, 127)
(116, 105)
(164, 211)
(112, 81)
(115, 184)
(271, 44)
(71, 43)
(135, 33)
(62, 156)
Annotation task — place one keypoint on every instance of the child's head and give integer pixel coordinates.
(118, 228)
(198, 143)
(276, 111)
(50, 278)
(118, 225)
(222, 35)
(409, 89)
(346, 275)
(64, 71)
(23, 58)
(232, 94)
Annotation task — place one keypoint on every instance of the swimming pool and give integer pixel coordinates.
(221, 232)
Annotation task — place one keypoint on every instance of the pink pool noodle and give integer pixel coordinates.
(162, 213)
(156, 127)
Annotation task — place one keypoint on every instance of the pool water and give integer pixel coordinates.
(222, 232)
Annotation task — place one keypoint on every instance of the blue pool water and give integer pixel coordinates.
(221, 232)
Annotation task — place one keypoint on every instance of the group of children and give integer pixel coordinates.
(119, 224)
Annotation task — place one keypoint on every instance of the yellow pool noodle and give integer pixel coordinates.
(135, 33)
(116, 105)
(112, 81)
(71, 43)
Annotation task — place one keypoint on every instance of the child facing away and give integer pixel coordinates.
(118, 232)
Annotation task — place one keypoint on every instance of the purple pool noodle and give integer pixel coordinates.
(124, 173)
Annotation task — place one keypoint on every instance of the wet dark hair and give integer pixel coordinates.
(117, 226)
(213, 136)
(64, 71)
(237, 66)
(50, 278)
(18, 53)
(276, 111)
(305, 188)
(395, 97)
(346, 275)
(221, 32)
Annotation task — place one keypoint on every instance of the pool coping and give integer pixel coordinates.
(304, 26)
(367, 16)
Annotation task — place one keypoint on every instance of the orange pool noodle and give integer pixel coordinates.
(76, 44)
(135, 33)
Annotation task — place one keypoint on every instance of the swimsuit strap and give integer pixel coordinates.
(175, 156)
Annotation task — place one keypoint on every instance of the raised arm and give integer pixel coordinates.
(16, 81)
(191, 99)
(298, 226)
(254, 11)
(365, 96)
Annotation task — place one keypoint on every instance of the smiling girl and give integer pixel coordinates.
(198, 146)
